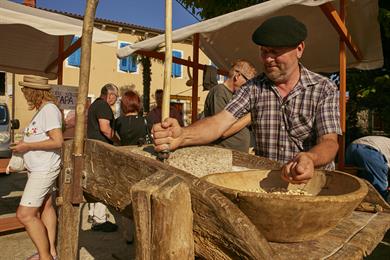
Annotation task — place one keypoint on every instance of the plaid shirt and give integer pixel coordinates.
(286, 126)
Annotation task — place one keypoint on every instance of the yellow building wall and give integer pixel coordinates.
(105, 69)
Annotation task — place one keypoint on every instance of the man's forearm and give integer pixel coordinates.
(325, 151)
(238, 125)
(107, 133)
(208, 129)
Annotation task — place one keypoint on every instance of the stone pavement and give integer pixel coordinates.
(92, 245)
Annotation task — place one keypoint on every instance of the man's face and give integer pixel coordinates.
(112, 97)
(239, 80)
(280, 62)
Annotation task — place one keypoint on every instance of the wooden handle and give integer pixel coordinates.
(168, 60)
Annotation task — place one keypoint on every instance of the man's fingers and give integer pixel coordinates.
(161, 147)
(157, 135)
(286, 171)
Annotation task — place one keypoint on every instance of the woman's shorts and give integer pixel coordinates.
(38, 185)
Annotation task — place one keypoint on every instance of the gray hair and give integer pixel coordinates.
(109, 87)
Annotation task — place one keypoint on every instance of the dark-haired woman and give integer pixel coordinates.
(132, 130)
(131, 127)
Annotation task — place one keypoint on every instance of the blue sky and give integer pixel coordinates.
(149, 13)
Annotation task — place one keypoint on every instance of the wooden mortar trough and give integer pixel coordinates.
(292, 218)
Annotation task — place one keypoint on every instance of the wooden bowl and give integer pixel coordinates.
(292, 218)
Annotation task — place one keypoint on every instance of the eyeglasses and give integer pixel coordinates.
(239, 72)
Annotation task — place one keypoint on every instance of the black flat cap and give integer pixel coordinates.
(280, 31)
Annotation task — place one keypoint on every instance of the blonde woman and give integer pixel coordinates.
(40, 147)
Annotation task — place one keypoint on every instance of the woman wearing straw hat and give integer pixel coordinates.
(40, 147)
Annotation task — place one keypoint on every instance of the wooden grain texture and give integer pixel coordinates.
(172, 221)
(353, 238)
(69, 215)
(221, 230)
(141, 194)
(375, 198)
(291, 218)
(253, 162)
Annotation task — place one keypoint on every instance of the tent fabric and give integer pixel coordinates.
(30, 38)
(228, 37)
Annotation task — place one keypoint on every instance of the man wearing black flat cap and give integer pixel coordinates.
(295, 112)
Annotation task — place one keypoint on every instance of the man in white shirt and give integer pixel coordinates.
(372, 155)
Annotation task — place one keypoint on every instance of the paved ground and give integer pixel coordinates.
(93, 245)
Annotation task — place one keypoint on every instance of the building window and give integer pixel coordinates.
(128, 64)
(220, 78)
(74, 59)
(177, 68)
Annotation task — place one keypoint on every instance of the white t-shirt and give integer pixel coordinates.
(47, 118)
(380, 143)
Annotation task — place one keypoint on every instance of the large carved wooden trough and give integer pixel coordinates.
(179, 215)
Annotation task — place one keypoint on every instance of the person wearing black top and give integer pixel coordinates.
(131, 127)
(100, 127)
(132, 130)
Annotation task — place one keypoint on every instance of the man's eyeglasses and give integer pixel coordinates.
(239, 72)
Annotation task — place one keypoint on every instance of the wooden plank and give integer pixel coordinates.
(351, 239)
(188, 63)
(163, 218)
(331, 13)
(69, 214)
(364, 242)
(141, 194)
(3, 164)
(10, 224)
(172, 218)
(72, 48)
(181, 97)
(221, 230)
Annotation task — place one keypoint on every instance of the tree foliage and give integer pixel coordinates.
(370, 90)
(146, 79)
(211, 8)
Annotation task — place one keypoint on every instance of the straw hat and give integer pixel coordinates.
(35, 82)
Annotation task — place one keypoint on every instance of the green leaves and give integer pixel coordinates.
(212, 8)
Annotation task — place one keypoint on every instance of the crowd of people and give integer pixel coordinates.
(292, 111)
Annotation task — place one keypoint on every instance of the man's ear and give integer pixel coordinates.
(300, 49)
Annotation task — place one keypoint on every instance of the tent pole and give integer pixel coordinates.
(339, 25)
(60, 60)
(13, 107)
(65, 54)
(70, 190)
(188, 63)
(343, 88)
(195, 78)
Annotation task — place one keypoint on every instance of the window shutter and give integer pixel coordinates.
(124, 63)
(176, 68)
(74, 59)
(132, 64)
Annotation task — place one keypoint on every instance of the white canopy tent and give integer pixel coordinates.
(30, 39)
(228, 37)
